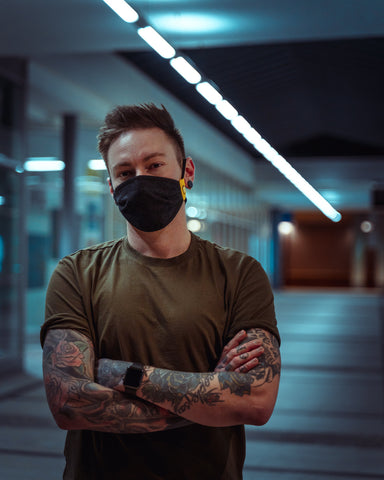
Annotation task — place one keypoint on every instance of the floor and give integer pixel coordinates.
(328, 421)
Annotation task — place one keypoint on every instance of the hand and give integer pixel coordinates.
(240, 355)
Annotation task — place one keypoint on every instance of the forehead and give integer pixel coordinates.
(133, 144)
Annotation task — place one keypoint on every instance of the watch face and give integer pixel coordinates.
(133, 375)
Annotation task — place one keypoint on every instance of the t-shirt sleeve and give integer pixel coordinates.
(253, 303)
(64, 305)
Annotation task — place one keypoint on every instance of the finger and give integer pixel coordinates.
(231, 345)
(246, 367)
(250, 345)
(244, 348)
(235, 341)
(242, 359)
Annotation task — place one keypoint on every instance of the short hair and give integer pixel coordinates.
(131, 117)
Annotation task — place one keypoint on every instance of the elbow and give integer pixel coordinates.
(258, 411)
(64, 421)
(256, 415)
(64, 418)
(261, 416)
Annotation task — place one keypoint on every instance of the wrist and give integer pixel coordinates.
(132, 379)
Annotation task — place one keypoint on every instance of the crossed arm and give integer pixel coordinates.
(165, 399)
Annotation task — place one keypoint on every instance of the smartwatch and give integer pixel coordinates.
(133, 376)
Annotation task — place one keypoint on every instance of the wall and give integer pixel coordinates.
(321, 253)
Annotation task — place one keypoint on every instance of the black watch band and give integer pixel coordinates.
(133, 376)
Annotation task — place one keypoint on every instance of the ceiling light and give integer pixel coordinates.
(191, 75)
(227, 110)
(188, 23)
(285, 228)
(97, 164)
(241, 124)
(123, 10)
(298, 181)
(252, 136)
(157, 42)
(209, 92)
(185, 69)
(44, 164)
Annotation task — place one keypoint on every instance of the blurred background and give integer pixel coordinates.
(308, 76)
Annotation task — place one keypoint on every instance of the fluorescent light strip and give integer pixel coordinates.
(209, 92)
(44, 164)
(228, 111)
(97, 164)
(185, 69)
(157, 42)
(123, 10)
(241, 124)
(296, 179)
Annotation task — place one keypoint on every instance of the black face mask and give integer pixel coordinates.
(150, 203)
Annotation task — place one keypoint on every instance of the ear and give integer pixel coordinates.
(189, 173)
(110, 186)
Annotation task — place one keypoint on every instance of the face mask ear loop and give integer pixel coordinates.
(182, 181)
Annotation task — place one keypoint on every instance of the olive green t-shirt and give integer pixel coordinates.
(174, 313)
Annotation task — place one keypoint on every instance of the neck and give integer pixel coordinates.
(171, 241)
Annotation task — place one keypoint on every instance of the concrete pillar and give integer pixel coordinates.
(69, 220)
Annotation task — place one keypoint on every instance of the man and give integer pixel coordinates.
(160, 346)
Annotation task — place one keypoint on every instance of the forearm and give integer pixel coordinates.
(77, 401)
(212, 399)
(80, 404)
(219, 398)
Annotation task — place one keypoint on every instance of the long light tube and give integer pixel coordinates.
(225, 108)
(97, 164)
(296, 179)
(44, 164)
(241, 124)
(157, 42)
(209, 92)
(185, 69)
(123, 10)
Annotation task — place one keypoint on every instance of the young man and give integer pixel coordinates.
(160, 346)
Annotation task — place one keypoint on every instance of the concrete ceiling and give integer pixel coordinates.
(307, 74)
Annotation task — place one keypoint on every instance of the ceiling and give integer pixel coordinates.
(308, 75)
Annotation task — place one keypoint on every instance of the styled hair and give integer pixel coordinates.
(131, 117)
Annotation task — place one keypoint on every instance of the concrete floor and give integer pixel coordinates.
(329, 418)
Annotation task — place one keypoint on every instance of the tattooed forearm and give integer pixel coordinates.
(189, 394)
(77, 402)
(110, 373)
(180, 389)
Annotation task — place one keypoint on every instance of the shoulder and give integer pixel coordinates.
(89, 261)
(99, 251)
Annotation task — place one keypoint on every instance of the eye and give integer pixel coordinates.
(125, 173)
(155, 165)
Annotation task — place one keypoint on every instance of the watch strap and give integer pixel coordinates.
(133, 377)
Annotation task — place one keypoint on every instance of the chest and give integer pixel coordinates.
(161, 316)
